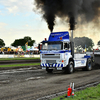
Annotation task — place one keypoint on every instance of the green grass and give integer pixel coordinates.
(17, 65)
(92, 93)
(1, 59)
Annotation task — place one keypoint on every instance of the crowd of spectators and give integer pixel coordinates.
(19, 52)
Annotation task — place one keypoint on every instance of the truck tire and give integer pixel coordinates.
(89, 64)
(70, 67)
(49, 70)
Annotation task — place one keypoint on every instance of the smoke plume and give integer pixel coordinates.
(70, 10)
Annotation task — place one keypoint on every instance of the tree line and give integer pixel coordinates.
(78, 41)
(84, 42)
(19, 42)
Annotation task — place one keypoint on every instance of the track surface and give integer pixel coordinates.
(30, 84)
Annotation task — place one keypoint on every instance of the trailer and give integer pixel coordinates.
(58, 53)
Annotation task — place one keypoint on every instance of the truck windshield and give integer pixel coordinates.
(52, 46)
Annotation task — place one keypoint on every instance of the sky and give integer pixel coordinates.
(18, 19)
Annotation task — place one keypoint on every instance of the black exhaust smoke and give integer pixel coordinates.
(69, 10)
(71, 21)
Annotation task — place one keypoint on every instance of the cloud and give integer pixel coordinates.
(2, 25)
(27, 25)
(14, 6)
(13, 9)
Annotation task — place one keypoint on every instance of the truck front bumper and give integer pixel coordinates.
(52, 65)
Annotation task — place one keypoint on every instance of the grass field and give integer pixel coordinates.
(17, 65)
(92, 93)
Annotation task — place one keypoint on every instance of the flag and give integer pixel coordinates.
(85, 48)
(26, 43)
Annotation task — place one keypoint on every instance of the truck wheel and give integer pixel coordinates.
(49, 70)
(89, 64)
(70, 67)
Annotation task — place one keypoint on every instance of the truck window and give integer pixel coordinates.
(52, 46)
(45, 46)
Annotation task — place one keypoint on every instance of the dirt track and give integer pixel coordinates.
(30, 84)
(19, 61)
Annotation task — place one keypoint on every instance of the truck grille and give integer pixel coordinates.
(51, 56)
(50, 61)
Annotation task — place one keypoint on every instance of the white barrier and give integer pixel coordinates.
(35, 55)
(14, 56)
(6, 56)
(92, 53)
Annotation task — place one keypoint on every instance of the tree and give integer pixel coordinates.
(83, 41)
(98, 43)
(2, 43)
(29, 40)
(22, 42)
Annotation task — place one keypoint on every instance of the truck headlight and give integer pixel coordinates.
(60, 61)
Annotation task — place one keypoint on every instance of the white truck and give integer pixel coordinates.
(58, 53)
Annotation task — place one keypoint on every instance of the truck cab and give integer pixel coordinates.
(58, 53)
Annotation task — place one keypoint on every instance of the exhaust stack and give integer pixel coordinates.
(72, 36)
(72, 44)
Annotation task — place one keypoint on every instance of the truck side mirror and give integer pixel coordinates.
(40, 47)
(66, 46)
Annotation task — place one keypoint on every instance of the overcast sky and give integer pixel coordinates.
(17, 20)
